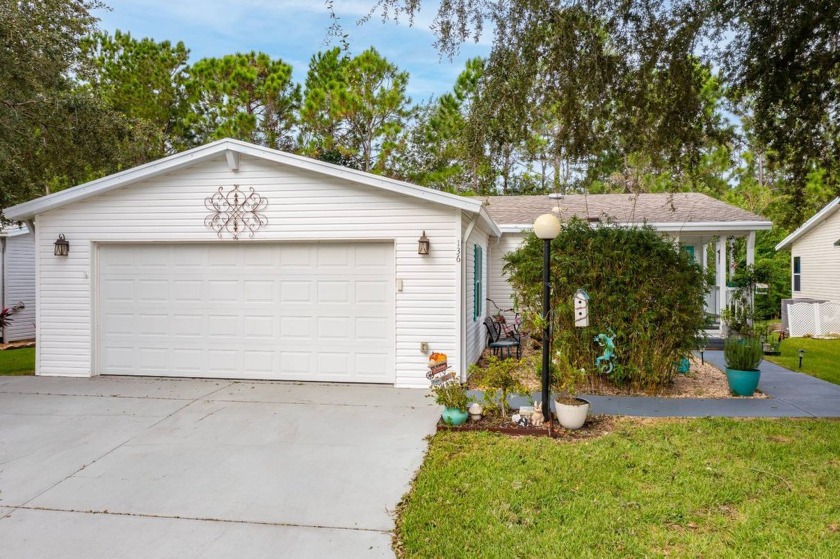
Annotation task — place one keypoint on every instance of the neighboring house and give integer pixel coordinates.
(327, 280)
(17, 282)
(815, 256)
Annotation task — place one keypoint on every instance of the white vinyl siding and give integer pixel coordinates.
(475, 330)
(498, 288)
(19, 286)
(302, 206)
(819, 261)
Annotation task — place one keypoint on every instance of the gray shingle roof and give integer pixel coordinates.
(675, 208)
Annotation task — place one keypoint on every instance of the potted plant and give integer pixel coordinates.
(571, 410)
(742, 356)
(453, 397)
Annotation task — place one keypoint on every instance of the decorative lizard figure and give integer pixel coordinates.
(605, 361)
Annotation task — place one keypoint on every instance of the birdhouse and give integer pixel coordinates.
(581, 308)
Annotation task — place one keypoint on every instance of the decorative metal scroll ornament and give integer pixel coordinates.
(235, 212)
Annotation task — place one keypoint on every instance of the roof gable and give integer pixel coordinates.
(232, 149)
(815, 220)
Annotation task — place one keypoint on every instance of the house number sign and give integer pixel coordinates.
(235, 212)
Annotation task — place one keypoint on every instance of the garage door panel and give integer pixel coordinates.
(190, 260)
(296, 292)
(187, 290)
(259, 326)
(318, 311)
(225, 326)
(260, 291)
(295, 363)
(334, 328)
(334, 257)
(296, 256)
(222, 291)
(372, 329)
(117, 290)
(224, 361)
(222, 257)
(296, 327)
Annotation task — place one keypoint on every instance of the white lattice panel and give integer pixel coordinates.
(829, 318)
(814, 319)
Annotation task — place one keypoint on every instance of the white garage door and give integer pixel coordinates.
(313, 311)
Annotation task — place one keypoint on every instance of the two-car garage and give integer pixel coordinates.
(299, 311)
(232, 260)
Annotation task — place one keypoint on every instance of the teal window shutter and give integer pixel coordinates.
(478, 266)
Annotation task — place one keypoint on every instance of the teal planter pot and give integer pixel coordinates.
(684, 366)
(743, 383)
(454, 416)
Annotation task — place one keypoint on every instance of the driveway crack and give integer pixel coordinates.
(129, 439)
(200, 519)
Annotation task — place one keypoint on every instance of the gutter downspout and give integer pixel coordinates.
(463, 288)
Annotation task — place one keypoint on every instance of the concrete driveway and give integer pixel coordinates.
(128, 467)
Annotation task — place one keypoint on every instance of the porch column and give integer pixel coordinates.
(750, 262)
(751, 248)
(731, 258)
(704, 256)
(721, 281)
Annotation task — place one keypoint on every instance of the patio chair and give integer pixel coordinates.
(500, 345)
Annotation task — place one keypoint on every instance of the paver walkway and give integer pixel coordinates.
(791, 394)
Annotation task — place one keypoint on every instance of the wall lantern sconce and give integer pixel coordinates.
(62, 246)
(423, 244)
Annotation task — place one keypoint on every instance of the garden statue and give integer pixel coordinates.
(537, 417)
(605, 361)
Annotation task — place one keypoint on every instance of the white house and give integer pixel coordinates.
(815, 256)
(701, 225)
(234, 260)
(17, 282)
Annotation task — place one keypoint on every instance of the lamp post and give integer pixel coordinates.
(546, 227)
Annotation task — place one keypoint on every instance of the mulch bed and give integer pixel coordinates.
(704, 380)
(595, 426)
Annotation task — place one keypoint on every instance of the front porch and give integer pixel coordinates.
(718, 253)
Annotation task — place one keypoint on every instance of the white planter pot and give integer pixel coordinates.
(571, 416)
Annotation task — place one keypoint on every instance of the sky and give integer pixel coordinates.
(293, 30)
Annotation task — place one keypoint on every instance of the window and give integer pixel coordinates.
(797, 274)
(478, 266)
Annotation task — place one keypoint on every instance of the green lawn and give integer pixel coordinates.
(822, 357)
(652, 488)
(17, 361)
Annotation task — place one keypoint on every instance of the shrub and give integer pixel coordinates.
(743, 354)
(648, 294)
(498, 379)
